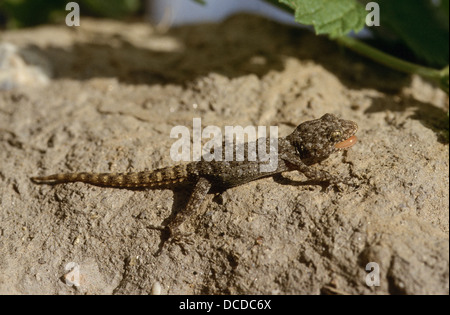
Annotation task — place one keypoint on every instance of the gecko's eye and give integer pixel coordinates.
(336, 135)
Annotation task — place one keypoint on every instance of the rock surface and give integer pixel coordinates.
(117, 91)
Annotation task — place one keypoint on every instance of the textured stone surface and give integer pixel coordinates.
(116, 92)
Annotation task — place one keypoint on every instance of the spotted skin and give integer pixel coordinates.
(162, 178)
(310, 143)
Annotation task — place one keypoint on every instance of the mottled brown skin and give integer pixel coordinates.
(310, 143)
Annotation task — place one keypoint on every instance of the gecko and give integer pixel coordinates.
(310, 143)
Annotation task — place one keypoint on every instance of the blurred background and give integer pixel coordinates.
(26, 13)
(413, 30)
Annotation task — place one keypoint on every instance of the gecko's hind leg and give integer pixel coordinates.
(175, 235)
(198, 195)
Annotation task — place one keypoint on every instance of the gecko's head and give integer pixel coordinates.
(316, 139)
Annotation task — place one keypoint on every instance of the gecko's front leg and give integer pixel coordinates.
(310, 172)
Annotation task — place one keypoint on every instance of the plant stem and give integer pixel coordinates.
(439, 76)
(388, 60)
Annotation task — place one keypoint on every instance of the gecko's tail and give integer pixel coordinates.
(65, 178)
(150, 179)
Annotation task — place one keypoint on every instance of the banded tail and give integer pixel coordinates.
(164, 177)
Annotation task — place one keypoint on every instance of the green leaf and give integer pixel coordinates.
(333, 17)
(443, 6)
(27, 13)
(112, 9)
(418, 25)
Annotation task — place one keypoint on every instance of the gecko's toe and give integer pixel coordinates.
(181, 238)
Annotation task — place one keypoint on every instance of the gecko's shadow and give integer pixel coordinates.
(181, 197)
(427, 114)
(182, 194)
(282, 180)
